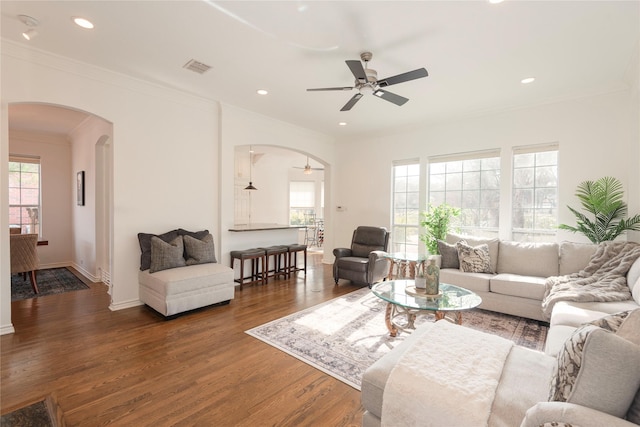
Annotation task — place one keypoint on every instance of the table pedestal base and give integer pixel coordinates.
(392, 311)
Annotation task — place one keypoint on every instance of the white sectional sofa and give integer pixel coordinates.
(518, 271)
(521, 397)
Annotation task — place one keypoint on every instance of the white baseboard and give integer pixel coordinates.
(7, 329)
(85, 273)
(125, 304)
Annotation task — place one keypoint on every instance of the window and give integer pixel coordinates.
(471, 183)
(535, 193)
(302, 202)
(406, 207)
(24, 193)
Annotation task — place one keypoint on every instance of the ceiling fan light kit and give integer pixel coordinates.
(367, 82)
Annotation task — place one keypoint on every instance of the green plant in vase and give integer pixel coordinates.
(606, 211)
(436, 222)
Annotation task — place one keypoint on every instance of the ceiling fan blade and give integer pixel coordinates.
(404, 77)
(329, 88)
(391, 97)
(355, 98)
(357, 69)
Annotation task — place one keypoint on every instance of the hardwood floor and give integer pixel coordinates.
(133, 368)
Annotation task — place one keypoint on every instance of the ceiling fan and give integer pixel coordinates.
(307, 169)
(367, 82)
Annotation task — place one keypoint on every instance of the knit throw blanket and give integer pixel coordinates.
(447, 378)
(603, 279)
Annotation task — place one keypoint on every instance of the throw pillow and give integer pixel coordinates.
(199, 251)
(474, 259)
(166, 255)
(449, 255)
(588, 371)
(611, 322)
(195, 234)
(145, 246)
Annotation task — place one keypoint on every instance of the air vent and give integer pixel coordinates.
(197, 66)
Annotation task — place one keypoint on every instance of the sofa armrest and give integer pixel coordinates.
(341, 252)
(570, 413)
(379, 265)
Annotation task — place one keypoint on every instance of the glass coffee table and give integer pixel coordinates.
(404, 302)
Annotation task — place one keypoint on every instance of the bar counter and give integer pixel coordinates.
(263, 227)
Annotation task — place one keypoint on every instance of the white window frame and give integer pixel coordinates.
(306, 207)
(436, 196)
(26, 222)
(411, 224)
(543, 209)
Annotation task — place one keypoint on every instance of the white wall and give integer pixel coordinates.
(593, 134)
(55, 168)
(83, 158)
(165, 153)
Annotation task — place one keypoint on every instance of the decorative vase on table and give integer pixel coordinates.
(432, 277)
(420, 280)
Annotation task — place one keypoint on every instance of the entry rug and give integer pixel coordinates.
(50, 281)
(344, 336)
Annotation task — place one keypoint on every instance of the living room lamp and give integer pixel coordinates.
(250, 186)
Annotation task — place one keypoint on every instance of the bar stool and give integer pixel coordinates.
(258, 259)
(294, 248)
(280, 257)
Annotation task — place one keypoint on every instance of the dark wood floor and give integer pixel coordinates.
(132, 368)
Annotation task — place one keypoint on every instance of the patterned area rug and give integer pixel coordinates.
(50, 281)
(346, 335)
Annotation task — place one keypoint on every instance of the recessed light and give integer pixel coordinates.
(527, 80)
(262, 92)
(495, 1)
(82, 22)
(342, 124)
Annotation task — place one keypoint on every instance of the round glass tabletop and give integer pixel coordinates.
(452, 298)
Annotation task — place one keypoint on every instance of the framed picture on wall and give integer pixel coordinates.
(80, 189)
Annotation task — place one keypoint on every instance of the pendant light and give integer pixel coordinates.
(250, 186)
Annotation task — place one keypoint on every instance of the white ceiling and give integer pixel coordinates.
(476, 53)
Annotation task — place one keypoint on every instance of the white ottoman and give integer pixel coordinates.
(181, 289)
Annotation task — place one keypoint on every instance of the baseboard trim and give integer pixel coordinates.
(125, 304)
(7, 329)
(85, 273)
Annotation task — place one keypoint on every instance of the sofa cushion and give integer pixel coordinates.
(144, 239)
(353, 263)
(494, 245)
(199, 251)
(518, 286)
(528, 259)
(166, 255)
(449, 255)
(588, 371)
(633, 280)
(180, 280)
(476, 282)
(574, 314)
(575, 256)
(474, 259)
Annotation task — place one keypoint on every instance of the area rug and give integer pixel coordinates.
(346, 335)
(44, 413)
(50, 281)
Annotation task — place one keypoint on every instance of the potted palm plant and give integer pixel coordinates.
(436, 222)
(606, 211)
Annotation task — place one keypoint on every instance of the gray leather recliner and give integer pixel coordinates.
(365, 262)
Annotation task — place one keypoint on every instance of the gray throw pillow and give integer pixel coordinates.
(588, 371)
(199, 251)
(449, 254)
(145, 246)
(474, 259)
(166, 255)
